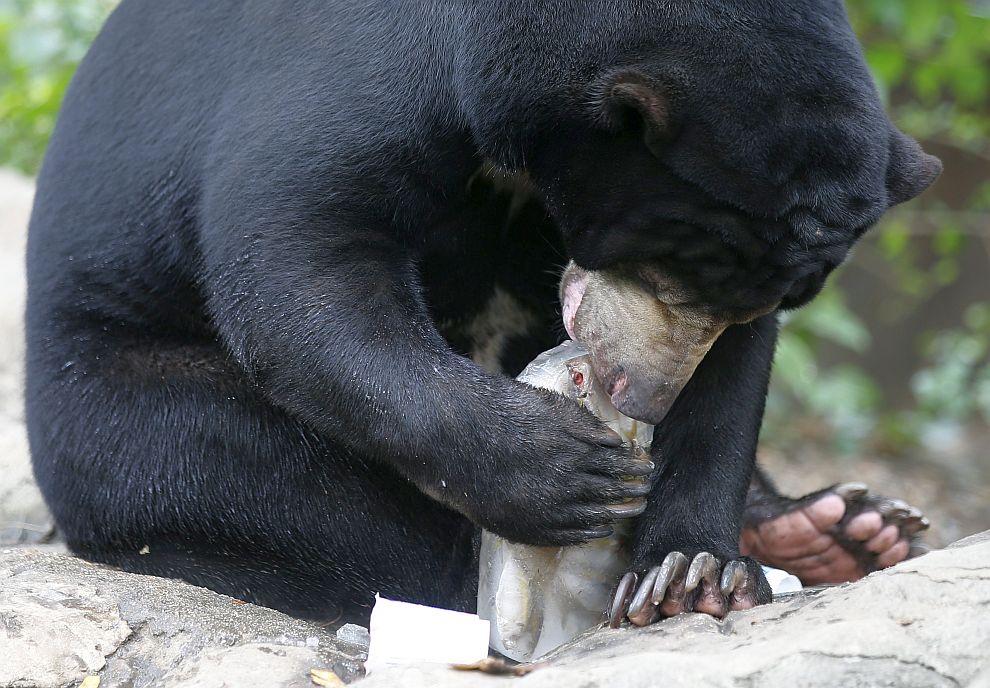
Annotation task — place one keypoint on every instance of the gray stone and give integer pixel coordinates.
(51, 632)
(62, 619)
(355, 635)
(922, 623)
(23, 515)
(253, 664)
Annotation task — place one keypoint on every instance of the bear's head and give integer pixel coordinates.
(725, 154)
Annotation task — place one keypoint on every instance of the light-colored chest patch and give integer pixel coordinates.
(502, 319)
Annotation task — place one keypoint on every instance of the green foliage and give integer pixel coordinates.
(843, 399)
(931, 60)
(956, 384)
(935, 53)
(41, 42)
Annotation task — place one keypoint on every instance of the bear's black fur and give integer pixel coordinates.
(256, 218)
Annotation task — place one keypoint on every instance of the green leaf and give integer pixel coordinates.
(828, 317)
(794, 363)
(948, 239)
(888, 62)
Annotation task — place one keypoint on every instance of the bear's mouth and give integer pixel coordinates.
(645, 334)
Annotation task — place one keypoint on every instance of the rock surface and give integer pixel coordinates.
(923, 623)
(62, 619)
(23, 515)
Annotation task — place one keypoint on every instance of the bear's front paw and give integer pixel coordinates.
(565, 497)
(551, 474)
(707, 583)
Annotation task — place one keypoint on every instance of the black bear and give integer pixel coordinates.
(267, 234)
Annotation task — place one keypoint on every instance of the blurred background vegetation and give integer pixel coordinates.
(893, 356)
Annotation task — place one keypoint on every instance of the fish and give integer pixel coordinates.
(538, 598)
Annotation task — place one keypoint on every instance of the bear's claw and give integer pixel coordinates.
(677, 585)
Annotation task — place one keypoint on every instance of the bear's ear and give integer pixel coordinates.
(631, 102)
(910, 170)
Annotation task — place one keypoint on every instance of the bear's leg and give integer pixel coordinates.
(166, 460)
(686, 545)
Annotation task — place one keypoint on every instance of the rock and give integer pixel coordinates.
(23, 515)
(253, 664)
(922, 623)
(54, 630)
(62, 619)
(354, 635)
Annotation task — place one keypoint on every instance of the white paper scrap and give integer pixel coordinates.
(403, 633)
(781, 581)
